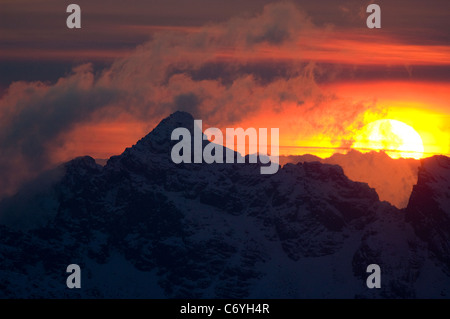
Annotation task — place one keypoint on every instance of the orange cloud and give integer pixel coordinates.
(346, 46)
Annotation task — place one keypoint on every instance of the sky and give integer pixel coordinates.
(311, 68)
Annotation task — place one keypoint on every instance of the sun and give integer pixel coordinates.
(396, 138)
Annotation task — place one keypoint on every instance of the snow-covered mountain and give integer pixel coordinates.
(144, 227)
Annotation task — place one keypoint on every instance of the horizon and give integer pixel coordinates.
(337, 150)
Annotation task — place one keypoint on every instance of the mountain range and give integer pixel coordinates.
(143, 227)
(393, 179)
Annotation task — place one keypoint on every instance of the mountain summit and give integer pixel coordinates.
(159, 139)
(144, 227)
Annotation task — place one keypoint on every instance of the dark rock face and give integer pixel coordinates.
(429, 207)
(144, 227)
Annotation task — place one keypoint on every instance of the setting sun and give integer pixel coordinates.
(396, 138)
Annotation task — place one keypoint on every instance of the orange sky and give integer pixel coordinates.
(350, 47)
(353, 75)
(422, 105)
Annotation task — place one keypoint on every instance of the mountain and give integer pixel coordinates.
(393, 179)
(428, 209)
(143, 227)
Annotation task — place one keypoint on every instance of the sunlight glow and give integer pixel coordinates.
(396, 138)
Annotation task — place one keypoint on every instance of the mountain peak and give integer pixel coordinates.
(159, 139)
(180, 117)
(173, 121)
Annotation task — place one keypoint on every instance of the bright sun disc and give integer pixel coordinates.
(396, 138)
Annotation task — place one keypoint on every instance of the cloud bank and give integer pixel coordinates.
(222, 73)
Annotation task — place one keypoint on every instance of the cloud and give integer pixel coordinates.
(223, 73)
(33, 115)
(188, 102)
